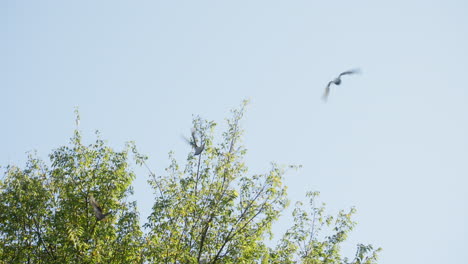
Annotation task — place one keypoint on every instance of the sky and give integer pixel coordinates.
(392, 141)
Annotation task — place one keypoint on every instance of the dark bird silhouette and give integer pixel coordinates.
(337, 81)
(193, 142)
(97, 209)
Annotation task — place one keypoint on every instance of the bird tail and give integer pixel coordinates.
(326, 93)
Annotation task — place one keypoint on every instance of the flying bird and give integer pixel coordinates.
(97, 209)
(337, 81)
(193, 142)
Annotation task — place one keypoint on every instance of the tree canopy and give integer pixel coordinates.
(77, 208)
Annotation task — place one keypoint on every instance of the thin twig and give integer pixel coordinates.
(154, 178)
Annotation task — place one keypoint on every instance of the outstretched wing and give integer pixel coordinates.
(327, 91)
(194, 142)
(190, 142)
(353, 71)
(97, 209)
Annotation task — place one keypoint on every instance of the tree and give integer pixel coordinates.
(211, 210)
(304, 243)
(46, 216)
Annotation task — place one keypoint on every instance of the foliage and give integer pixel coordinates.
(303, 243)
(210, 210)
(45, 216)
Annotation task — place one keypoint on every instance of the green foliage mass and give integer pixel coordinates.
(210, 210)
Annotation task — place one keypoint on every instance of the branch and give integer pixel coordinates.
(154, 178)
(202, 242)
(232, 233)
(41, 240)
(198, 173)
(229, 236)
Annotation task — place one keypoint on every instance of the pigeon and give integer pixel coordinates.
(337, 81)
(193, 142)
(97, 209)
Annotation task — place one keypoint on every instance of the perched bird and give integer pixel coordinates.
(193, 142)
(337, 81)
(97, 209)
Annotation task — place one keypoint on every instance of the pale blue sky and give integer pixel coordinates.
(393, 141)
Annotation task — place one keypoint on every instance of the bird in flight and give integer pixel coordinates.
(193, 142)
(97, 209)
(337, 81)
